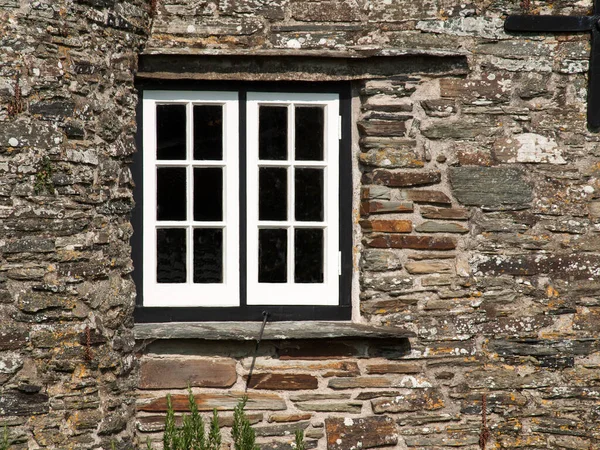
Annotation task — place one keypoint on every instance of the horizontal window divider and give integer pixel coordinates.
(292, 163)
(288, 224)
(195, 163)
(182, 224)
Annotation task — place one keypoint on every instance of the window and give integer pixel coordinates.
(243, 203)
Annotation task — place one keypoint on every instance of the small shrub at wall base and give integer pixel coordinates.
(192, 434)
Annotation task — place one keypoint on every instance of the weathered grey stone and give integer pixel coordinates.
(491, 188)
(391, 159)
(441, 227)
(368, 432)
(17, 403)
(423, 400)
(209, 401)
(337, 407)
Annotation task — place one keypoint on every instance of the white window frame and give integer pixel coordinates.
(291, 293)
(189, 293)
(227, 294)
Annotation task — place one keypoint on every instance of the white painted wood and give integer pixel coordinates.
(189, 293)
(290, 293)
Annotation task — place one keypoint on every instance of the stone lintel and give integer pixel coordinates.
(307, 67)
(248, 331)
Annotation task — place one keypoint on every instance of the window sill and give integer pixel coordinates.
(248, 331)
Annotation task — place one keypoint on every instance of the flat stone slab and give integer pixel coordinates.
(249, 331)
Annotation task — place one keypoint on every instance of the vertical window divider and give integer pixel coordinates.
(291, 190)
(190, 191)
(243, 199)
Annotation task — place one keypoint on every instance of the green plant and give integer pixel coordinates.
(192, 435)
(299, 441)
(5, 443)
(43, 177)
(244, 437)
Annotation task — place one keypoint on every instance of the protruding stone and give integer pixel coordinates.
(382, 128)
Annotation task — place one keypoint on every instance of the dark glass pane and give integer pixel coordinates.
(309, 133)
(208, 132)
(170, 132)
(308, 251)
(272, 132)
(309, 194)
(272, 193)
(208, 194)
(171, 195)
(208, 255)
(272, 255)
(171, 255)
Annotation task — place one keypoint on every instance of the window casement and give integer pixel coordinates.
(244, 194)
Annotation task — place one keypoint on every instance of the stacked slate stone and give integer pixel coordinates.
(476, 211)
(67, 124)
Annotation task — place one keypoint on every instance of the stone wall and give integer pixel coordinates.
(67, 124)
(476, 228)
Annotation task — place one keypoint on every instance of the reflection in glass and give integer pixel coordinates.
(309, 133)
(208, 132)
(272, 255)
(171, 195)
(308, 255)
(272, 193)
(208, 255)
(208, 193)
(309, 194)
(170, 132)
(171, 255)
(272, 132)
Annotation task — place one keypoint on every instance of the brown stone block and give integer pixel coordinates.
(386, 226)
(426, 267)
(209, 401)
(401, 179)
(384, 207)
(412, 242)
(346, 407)
(365, 432)
(328, 368)
(382, 128)
(280, 418)
(284, 382)
(393, 368)
(310, 350)
(431, 212)
(425, 399)
(178, 373)
(425, 196)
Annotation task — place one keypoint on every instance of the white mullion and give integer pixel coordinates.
(190, 191)
(207, 163)
(291, 190)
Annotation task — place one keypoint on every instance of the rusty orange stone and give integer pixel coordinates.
(387, 226)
